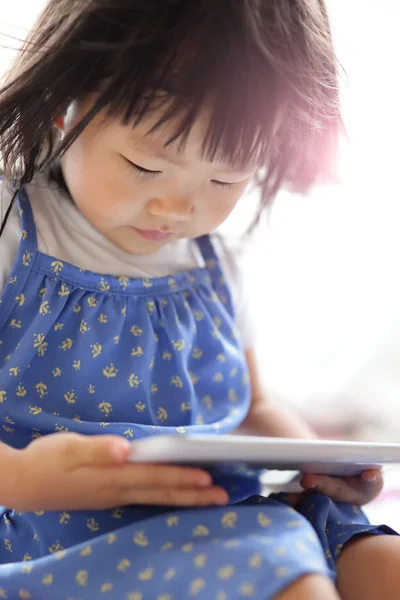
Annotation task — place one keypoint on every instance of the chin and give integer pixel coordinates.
(141, 249)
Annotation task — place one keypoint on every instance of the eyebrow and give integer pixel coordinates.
(150, 145)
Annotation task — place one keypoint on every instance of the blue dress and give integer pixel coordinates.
(98, 354)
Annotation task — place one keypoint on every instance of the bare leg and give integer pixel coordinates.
(369, 568)
(310, 587)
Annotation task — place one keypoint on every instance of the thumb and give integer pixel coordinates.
(104, 450)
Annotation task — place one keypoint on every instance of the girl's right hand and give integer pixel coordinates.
(68, 471)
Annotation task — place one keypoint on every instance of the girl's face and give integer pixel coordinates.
(140, 194)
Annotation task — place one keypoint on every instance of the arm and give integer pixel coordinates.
(268, 419)
(9, 473)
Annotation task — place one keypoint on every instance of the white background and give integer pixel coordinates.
(324, 270)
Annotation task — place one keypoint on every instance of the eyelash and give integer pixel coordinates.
(223, 184)
(142, 172)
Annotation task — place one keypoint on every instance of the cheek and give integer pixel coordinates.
(103, 191)
(222, 204)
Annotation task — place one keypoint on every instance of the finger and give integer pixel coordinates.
(159, 476)
(373, 476)
(352, 489)
(99, 450)
(175, 497)
(334, 487)
(373, 482)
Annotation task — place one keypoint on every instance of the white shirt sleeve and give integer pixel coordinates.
(9, 241)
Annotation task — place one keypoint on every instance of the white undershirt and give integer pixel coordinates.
(63, 232)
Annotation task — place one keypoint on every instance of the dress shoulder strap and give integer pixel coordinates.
(29, 235)
(28, 227)
(217, 277)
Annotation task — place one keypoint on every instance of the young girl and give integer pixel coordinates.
(128, 132)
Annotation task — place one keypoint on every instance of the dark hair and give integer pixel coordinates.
(266, 67)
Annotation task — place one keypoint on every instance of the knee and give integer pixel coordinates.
(368, 565)
(309, 587)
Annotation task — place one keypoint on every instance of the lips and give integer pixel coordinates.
(153, 235)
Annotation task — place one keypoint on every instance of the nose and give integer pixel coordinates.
(174, 209)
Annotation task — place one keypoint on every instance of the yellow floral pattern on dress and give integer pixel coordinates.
(91, 353)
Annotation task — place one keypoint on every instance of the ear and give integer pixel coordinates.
(59, 123)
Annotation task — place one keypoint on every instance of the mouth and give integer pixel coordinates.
(154, 235)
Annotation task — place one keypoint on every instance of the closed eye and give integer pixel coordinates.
(224, 184)
(141, 170)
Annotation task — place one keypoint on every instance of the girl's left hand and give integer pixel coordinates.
(359, 489)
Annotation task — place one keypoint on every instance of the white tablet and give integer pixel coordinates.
(314, 456)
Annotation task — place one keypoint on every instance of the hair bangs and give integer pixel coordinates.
(263, 71)
(213, 67)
